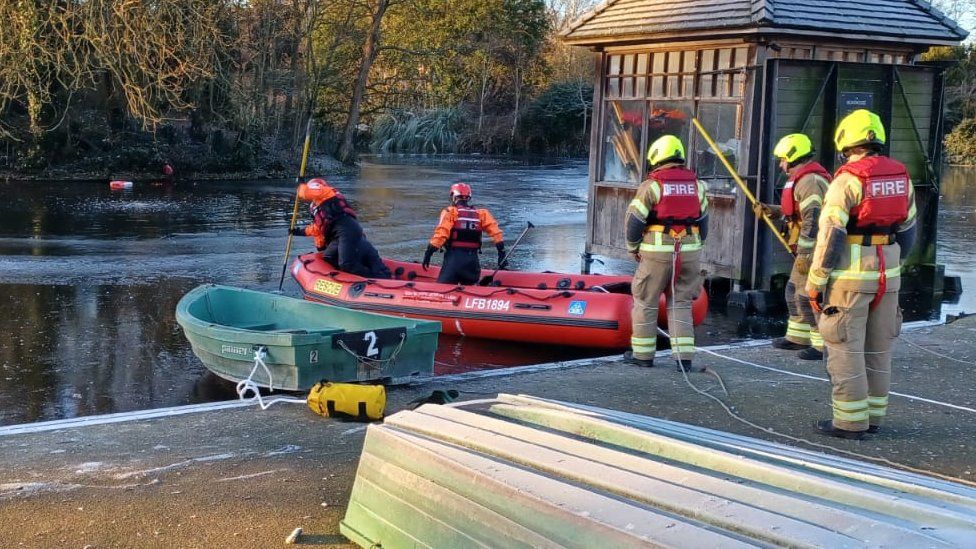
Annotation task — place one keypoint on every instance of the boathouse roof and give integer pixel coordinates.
(635, 21)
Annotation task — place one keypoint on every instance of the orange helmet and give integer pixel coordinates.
(460, 191)
(316, 191)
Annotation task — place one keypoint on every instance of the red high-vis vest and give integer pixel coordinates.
(466, 232)
(885, 185)
(679, 201)
(788, 201)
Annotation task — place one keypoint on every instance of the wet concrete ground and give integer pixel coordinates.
(247, 478)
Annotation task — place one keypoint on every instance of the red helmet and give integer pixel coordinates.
(460, 190)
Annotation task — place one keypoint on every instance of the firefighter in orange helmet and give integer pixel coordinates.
(337, 232)
(866, 228)
(460, 231)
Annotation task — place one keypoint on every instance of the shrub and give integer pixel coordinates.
(558, 119)
(434, 131)
(960, 144)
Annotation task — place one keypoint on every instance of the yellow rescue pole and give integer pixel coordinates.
(742, 185)
(294, 212)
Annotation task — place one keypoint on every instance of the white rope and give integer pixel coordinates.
(245, 386)
(760, 366)
(731, 412)
(930, 351)
(671, 318)
(805, 376)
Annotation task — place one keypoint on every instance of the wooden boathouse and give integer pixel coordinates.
(752, 71)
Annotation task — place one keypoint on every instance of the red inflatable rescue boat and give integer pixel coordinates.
(553, 308)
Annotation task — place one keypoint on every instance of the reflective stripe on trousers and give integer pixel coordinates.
(798, 331)
(653, 278)
(850, 411)
(858, 341)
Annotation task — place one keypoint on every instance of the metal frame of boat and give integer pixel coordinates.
(520, 471)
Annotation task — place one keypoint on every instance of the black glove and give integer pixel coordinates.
(297, 231)
(501, 254)
(427, 255)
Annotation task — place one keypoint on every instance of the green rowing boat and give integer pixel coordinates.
(301, 342)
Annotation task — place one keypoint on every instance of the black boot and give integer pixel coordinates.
(787, 345)
(826, 427)
(686, 366)
(810, 353)
(641, 362)
(874, 428)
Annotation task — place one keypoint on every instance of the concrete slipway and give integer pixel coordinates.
(238, 476)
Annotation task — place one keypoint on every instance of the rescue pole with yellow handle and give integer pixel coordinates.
(741, 183)
(294, 212)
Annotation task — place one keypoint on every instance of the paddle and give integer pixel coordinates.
(488, 279)
(294, 212)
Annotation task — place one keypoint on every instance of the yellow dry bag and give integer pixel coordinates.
(362, 402)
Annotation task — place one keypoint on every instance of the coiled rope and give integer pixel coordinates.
(248, 385)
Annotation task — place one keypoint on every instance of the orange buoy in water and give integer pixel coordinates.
(119, 185)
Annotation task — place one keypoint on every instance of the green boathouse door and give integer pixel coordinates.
(810, 97)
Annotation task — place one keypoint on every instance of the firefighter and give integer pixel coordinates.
(337, 232)
(866, 228)
(666, 225)
(800, 206)
(460, 230)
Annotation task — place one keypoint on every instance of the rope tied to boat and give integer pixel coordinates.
(373, 364)
(459, 289)
(248, 385)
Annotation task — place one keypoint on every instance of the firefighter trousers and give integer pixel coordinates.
(801, 328)
(460, 266)
(859, 342)
(654, 277)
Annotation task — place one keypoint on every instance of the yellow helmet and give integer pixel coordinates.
(667, 147)
(793, 147)
(861, 127)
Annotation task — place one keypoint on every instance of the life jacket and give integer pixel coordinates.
(328, 211)
(885, 186)
(679, 202)
(788, 201)
(466, 231)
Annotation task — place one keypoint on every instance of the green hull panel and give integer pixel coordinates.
(225, 326)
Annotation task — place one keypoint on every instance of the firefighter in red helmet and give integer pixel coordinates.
(460, 232)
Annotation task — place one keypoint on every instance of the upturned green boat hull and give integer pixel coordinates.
(303, 342)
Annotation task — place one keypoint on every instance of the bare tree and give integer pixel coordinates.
(347, 151)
